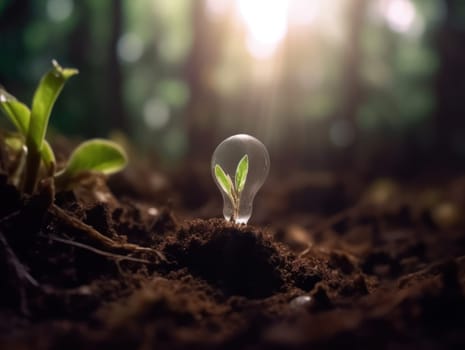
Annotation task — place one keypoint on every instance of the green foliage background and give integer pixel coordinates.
(197, 79)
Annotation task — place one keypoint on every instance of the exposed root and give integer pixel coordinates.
(429, 270)
(328, 223)
(116, 257)
(96, 235)
(19, 272)
(10, 216)
(306, 251)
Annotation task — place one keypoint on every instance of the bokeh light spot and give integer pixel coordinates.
(174, 92)
(130, 47)
(156, 113)
(341, 133)
(59, 10)
(400, 14)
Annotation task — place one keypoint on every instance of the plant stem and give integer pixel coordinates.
(32, 168)
(235, 201)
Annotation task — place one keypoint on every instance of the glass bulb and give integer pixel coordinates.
(240, 165)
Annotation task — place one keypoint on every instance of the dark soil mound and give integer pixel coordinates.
(240, 260)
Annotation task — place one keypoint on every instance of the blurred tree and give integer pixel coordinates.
(205, 49)
(353, 61)
(116, 109)
(450, 81)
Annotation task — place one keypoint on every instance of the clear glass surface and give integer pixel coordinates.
(227, 155)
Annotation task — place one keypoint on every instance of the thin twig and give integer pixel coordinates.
(95, 250)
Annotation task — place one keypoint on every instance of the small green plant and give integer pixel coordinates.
(234, 190)
(35, 163)
(37, 159)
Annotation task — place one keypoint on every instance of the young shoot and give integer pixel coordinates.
(246, 158)
(36, 157)
(234, 190)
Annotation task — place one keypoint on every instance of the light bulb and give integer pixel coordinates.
(240, 165)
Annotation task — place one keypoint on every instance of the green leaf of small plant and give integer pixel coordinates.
(45, 96)
(241, 173)
(18, 113)
(14, 141)
(48, 157)
(95, 155)
(224, 180)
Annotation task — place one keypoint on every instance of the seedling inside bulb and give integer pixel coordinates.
(246, 158)
(234, 190)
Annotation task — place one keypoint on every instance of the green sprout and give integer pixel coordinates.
(37, 159)
(234, 190)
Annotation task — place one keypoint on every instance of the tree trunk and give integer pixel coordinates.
(449, 118)
(116, 111)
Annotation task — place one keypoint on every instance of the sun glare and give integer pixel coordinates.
(400, 14)
(217, 7)
(266, 24)
(303, 12)
(267, 21)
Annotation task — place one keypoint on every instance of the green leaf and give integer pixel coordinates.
(45, 96)
(241, 173)
(48, 157)
(17, 112)
(224, 180)
(14, 141)
(95, 155)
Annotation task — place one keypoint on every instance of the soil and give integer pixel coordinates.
(329, 261)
